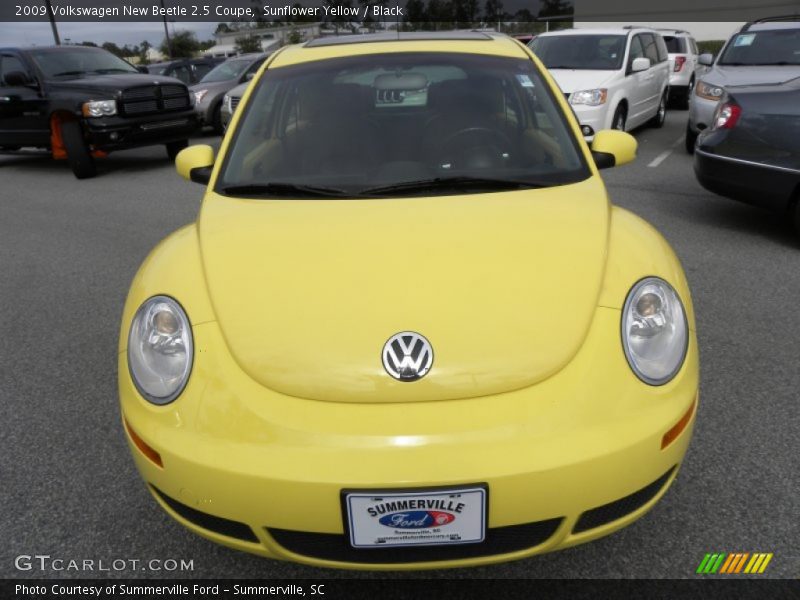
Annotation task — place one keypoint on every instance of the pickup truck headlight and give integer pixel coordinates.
(709, 92)
(160, 349)
(199, 95)
(99, 108)
(655, 333)
(589, 97)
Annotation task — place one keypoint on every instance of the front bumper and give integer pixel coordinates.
(568, 460)
(117, 133)
(596, 117)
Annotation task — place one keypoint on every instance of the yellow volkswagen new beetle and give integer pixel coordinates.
(408, 330)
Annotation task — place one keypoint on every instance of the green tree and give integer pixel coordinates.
(493, 11)
(247, 43)
(294, 37)
(222, 28)
(113, 48)
(90, 44)
(184, 45)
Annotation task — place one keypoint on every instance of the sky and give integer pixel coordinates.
(40, 34)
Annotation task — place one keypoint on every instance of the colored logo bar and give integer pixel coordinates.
(734, 563)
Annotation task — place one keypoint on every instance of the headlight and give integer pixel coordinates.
(226, 102)
(99, 108)
(199, 95)
(160, 349)
(709, 92)
(655, 334)
(589, 97)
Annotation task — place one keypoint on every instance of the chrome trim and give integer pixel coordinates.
(746, 162)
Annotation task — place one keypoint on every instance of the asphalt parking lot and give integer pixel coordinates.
(69, 249)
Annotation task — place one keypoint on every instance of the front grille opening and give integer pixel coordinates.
(622, 507)
(233, 529)
(336, 546)
(154, 99)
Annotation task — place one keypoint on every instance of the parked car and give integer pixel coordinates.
(613, 77)
(762, 52)
(683, 61)
(188, 70)
(230, 102)
(751, 151)
(222, 78)
(408, 330)
(81, 103)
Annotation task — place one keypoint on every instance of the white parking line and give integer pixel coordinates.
(664, 155)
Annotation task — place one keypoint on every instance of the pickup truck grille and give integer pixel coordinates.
(154, 99)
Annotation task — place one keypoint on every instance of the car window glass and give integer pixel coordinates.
(201, 69)
(693, 45)
(9, 64)
(597, 52)
(650, 50)
(675, 45)
(182, 72)
(230, 69)
(637, 51)
(776, 47)
(663, 53)
(447, 115)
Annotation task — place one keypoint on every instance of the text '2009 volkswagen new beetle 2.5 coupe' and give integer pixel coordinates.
(408, 329)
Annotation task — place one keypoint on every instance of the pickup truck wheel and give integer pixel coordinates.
(657, 122)
(78, 155)
(691, 138)
(174, 147)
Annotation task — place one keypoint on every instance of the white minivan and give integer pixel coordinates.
(613, 77)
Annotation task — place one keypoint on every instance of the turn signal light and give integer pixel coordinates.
(678, 428)
(154, 456)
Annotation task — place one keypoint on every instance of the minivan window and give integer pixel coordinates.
(650, 49)
(397, 124)
(775, 47)
(590, 51)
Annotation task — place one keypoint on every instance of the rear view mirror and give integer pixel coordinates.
(18, 79)
(611, 148)
(195, 163)
(706, 59)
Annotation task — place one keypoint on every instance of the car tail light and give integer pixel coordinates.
(727, 115)
(679, 62)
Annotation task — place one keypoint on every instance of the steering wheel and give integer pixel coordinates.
(476, 147)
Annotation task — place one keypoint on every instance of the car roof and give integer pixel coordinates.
(467, 42)
(772, 25)
(595, 31)
(53, 48)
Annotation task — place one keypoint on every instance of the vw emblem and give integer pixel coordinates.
(407, 356)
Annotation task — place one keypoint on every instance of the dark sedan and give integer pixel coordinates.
(188, 70)
(751, 152)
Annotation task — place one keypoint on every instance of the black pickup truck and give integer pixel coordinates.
(82, 103)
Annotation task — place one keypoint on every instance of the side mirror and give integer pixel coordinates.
(143, 69)
(640, 64)
(249, 76)
(18, 79)
(706, 59)
(611, 148)
(195, 163)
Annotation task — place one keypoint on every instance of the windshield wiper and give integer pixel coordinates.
(113, 70)
(453, 182)
(65, 73)
(260, 190)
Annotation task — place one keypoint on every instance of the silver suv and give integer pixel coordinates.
(683, 62)
(762, 52)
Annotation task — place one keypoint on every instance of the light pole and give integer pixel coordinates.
(166, 31)
(52, 22)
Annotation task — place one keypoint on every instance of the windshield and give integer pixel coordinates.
(230, 69)
(398, 124)
(77, 62)
(596, 52)
(776, 47)
(157, 69)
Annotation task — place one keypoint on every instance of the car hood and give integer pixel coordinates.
(575, 80)
(736, 76)
(111, 83)
(503, 285)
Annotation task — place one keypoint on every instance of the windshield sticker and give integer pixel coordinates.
(744, 40)
(525, 81)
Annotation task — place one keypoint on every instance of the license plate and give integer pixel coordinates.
(416, 518)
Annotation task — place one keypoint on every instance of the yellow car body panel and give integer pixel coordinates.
(555, 431)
